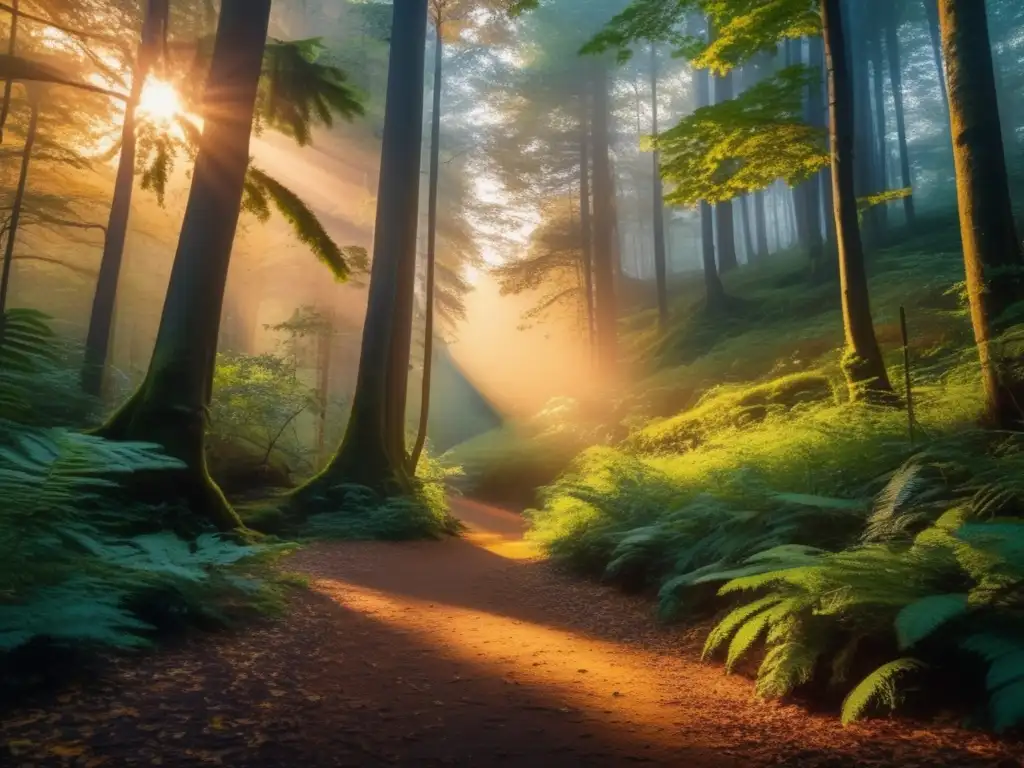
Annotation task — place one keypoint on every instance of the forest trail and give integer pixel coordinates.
(467, 652)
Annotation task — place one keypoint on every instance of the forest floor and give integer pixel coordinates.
(467, 652)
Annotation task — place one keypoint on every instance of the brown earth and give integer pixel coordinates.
(468, 652)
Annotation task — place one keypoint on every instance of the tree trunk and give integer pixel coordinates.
(931, 11)
(428, 324)
(881, 153)
(586, 227)
(101, 319)
(170, 407)
(864, 152)
(862, 364)
(714, 290)
(800, 202)
(604, 226)
(19, 200)
(761, 225)
(748, 235)
(727, 260)
(818, 116)
(892, 50)
(992, 251)
(660, 264)
(12, 42)
(371, 453)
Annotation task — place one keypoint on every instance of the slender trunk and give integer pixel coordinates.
(19, 200)
(604, 226)
(101, 319)
(714, 290)
(882, 153)
(748, 235)
(760, 224)
(931, 10)
(864, 153)
(12, 42)
(992, 251)
(371, 453)
(660, 264)
(863, 364)
(818, 112)
(892, 50)
(586, 228)
(324, 385)
(727, 260)
(170, 407)
(428, 324)
(801, 204)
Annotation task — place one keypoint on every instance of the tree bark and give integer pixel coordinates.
(604, 226)
(372, 453)
(760, 225)
(892, 50)
(992, 250)
(101, 319)
(170, 407)
(862, 364)
(19, 200)
(881, 152)
(713, 288)
(660, 263)
(428, 324)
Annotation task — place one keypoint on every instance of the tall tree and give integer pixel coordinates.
(605, 267)
(726, 230)
(931, 12)
(714, 291)
(372, 452)
(862, 364)
(153, 37)
(19, 199)
(992, 250)
(890, 22)
(170, 407)
(586, 224)
(660, 262)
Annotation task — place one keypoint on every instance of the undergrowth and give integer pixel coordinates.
(845, 558)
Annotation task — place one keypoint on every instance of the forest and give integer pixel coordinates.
(512, 382)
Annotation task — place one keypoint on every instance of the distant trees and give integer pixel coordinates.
(992, 250)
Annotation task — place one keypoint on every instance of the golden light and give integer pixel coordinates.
(159, 101)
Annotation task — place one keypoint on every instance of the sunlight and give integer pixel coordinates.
(160, 102)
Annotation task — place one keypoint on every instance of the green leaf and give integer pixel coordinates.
(878, 687)
(920, 619)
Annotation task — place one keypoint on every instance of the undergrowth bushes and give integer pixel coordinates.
(81, 566)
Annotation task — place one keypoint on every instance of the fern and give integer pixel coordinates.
(878, 687)
(920, 619)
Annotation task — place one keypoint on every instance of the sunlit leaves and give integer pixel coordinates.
(744, 28)
(744, 144)
(643, 20)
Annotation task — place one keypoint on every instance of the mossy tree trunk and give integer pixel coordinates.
(170, 407)
(372, 452)
(863, 364)
(992, 250)
(101, 319)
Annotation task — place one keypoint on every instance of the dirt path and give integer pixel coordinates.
(463, 653)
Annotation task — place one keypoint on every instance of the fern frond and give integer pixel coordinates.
(734, 620)
(878, 687)
(920, 619)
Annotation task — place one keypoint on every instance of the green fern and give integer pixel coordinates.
(878, 688)
(921, 619)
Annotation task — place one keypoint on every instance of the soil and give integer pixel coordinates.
(467, 652)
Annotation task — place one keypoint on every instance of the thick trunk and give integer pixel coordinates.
(19, 199)
(892, 50)
(12, 42)
(931, 10)
(586, 227)
(727, 260)
(101, 319)
(428, 323)
(371, 454)
(992, 251)
(604, 226)
(170, 407)
(863, 363)
(660, 264)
